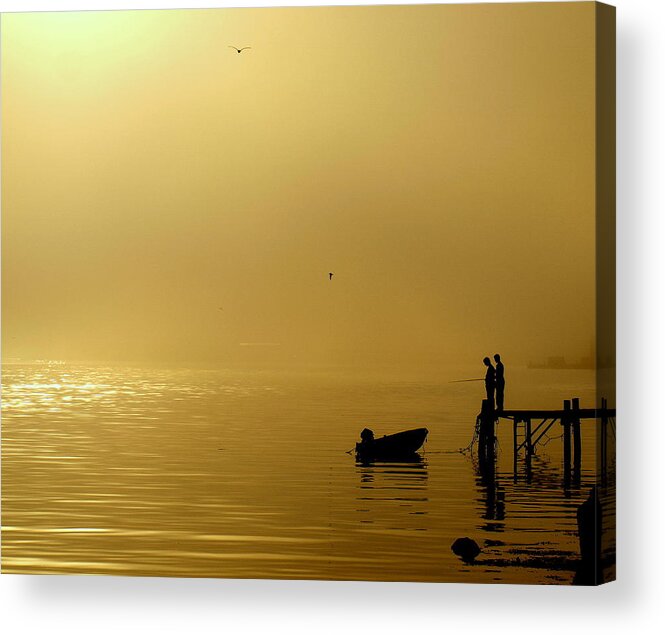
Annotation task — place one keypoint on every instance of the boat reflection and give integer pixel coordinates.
(408, 458)
(393, 494)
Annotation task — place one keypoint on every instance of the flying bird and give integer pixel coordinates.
(235, 48)
(330, 276)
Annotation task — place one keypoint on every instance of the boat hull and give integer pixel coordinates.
(393, 446)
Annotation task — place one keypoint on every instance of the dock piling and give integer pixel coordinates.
(565, 422)
(486, 440)
(515, 424)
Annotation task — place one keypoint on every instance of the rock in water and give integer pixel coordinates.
(466, 549)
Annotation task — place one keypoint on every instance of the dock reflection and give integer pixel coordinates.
(491, 497)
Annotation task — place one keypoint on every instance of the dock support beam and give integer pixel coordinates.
(515, 423)
(565, 422)
(486, 445)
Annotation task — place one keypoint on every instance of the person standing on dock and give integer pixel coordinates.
(490, 381)
(500, 382)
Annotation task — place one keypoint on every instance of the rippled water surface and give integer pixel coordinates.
(238, 473)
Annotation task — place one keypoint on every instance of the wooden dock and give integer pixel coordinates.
(534, 425)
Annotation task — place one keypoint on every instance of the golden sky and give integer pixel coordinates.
(166, 199)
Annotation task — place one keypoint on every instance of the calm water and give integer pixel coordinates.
(238, 473)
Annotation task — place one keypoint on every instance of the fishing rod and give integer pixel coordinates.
(458, 381)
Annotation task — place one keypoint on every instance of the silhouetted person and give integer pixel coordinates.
(490, 381)
(500, 382)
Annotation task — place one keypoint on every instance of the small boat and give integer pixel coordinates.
(391, 446)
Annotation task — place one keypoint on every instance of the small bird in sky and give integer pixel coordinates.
(330, 275)
(235, 48)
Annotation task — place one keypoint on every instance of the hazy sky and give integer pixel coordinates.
(165, 198)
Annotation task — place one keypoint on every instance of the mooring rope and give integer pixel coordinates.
(474, 438)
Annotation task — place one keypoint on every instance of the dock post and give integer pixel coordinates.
(487, 432)
(515, 420)
(481, 431)
(487, 440)
(577, 441)
(565, 422)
